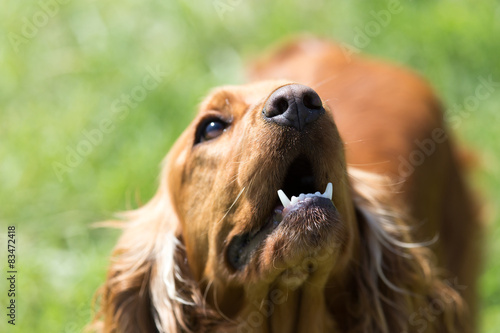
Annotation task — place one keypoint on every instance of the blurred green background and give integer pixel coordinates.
(64, 69)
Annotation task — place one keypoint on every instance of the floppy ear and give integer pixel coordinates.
(398, 288)
(149, 287)
(126, 303)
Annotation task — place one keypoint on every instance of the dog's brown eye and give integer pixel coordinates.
(211, 129)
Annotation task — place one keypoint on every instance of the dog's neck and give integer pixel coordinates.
(293, 302)
(282, 308)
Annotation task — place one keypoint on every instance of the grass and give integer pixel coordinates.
(67, 72)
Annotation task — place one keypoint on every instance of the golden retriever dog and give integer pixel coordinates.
(323, 196)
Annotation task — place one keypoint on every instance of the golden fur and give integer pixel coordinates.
(386, 261)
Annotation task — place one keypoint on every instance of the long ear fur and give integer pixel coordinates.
(149, 288)
(398, 287)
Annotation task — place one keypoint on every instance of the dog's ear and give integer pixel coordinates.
(143, 256)
(149, 287)
(395, 277)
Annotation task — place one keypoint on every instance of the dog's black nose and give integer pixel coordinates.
(293, 105)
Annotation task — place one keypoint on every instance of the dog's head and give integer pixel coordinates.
(255, 197)
(258, 183)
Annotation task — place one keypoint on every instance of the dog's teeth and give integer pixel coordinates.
(284, 199)
(293, 200)
(329, 191)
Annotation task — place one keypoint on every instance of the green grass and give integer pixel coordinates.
(65, 78)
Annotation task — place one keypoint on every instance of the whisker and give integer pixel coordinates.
(216, 304)
(322, 82)
(231, 181)
(355, 141)
(243, 189)
(230, 106)
(365, 164)
(209, 284)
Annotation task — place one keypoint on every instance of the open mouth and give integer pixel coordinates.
(299, 184)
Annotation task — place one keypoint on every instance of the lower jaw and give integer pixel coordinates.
(306, 226)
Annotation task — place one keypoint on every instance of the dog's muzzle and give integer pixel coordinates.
(293, 105)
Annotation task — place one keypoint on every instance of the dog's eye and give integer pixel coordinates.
(210, 129)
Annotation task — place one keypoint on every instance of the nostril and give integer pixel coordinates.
(281, 105)
(277, 105)
(312, 101)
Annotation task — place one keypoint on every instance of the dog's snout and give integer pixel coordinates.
(293, 105)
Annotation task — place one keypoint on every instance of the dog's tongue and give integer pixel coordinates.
(288, 202)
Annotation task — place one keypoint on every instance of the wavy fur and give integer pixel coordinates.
(149, 289)
(178, 268)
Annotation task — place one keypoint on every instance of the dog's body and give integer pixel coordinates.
(215, 251)
(392, 124)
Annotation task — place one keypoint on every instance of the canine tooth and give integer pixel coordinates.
(329, 191)
(284, 199)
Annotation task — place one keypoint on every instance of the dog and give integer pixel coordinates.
(325, 195)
